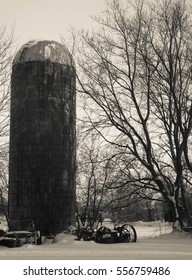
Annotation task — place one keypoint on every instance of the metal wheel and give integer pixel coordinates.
(128, 233)
(104, 235)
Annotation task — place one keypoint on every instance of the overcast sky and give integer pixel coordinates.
(46, 19)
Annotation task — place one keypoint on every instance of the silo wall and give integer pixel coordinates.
(42, 144)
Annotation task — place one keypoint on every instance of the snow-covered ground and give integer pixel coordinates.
(155, 241)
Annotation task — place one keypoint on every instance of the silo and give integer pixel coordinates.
(42, 137)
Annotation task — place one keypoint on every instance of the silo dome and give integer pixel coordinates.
(42, 51)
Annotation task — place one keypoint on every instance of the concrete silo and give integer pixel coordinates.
(42, 137)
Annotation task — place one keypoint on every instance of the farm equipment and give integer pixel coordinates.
(124, 233)
(21, 232)
(103, 230)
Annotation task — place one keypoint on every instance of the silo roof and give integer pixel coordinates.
(42, 51)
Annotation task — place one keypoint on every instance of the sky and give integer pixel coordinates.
(46, 19)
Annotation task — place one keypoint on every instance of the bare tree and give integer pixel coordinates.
(95, 172)
(4, 188)
(104, 183)
(6, 55)
(137, 70)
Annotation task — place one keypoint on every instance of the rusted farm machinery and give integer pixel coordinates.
(19, 233)
(104, 234)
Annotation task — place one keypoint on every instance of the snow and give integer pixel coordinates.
(155, 241)
(47, 52)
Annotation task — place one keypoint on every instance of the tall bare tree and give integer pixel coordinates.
(6, 55)
(137, 70)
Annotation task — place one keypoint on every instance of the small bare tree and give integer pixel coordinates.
(4, 188)
(94, 177)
